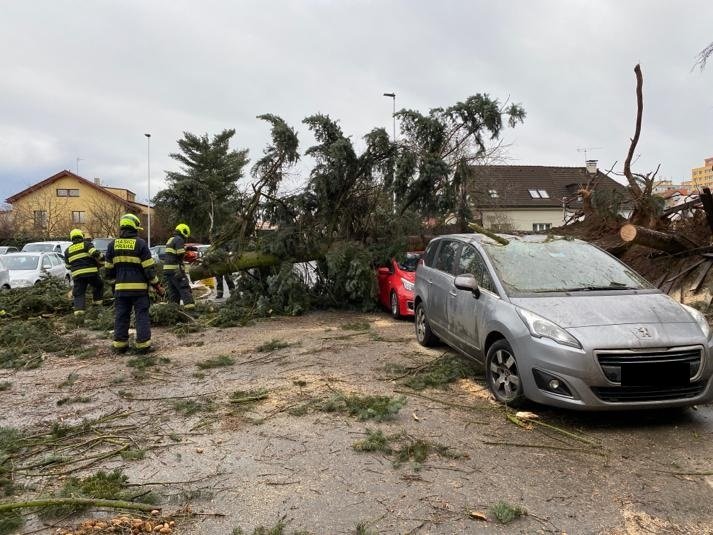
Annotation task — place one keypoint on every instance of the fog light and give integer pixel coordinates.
(550, 383)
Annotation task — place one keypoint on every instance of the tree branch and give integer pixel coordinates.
(637, 132)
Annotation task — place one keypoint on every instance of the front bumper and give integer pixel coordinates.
(406, 300)
(582, 375)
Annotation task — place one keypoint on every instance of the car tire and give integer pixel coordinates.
(503, 376)
(394, 300)
(424, 334)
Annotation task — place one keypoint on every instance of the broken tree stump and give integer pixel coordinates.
(707, 200)
(652, 238)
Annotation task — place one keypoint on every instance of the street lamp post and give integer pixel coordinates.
(148, 166)
(393, 115)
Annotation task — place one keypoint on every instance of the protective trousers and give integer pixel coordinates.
(219, 285)
(177, 288)
(123, 305)
(79, 292)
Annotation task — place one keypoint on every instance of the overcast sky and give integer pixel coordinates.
(88, 78)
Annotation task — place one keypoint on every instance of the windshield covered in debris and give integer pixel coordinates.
(38, 247)
(409, 262)
(21, 262)
(559, 265)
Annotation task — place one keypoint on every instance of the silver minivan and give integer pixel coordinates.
(559, 321)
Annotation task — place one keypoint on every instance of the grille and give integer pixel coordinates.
(620, 394)
(611, 361)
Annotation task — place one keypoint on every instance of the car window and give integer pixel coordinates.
(56, 260)
(471, 262)
(430, 254)
(46, 262)
(21, 262)
(408, 262)
(446, 257)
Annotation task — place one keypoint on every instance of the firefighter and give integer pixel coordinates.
(82, 260)
(129, 262)
(174, 273)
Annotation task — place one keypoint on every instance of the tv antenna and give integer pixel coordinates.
(586, 150)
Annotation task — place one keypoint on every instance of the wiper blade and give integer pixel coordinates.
(598, 288)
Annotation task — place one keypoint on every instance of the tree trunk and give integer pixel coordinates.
(247, 260)
(707, 200)
(652, 238)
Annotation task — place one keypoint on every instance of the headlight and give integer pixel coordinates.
(408, 285)
(543, 328)
(700, 320)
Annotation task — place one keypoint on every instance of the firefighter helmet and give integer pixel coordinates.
(76, 234)
(183, 229)
(130, 221)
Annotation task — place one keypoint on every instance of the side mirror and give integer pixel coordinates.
(467, 282)
(384, 271)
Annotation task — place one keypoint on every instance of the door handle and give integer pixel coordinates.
(429, 281)
(452, 293)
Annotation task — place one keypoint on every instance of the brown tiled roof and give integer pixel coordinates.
(513, 182)
(62, 174)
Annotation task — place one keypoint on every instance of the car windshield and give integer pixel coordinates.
(101, 243)
(410, 262)
(559, 265)
(21, 262)
(38, 247)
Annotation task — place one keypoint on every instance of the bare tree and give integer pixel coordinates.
(43, 214)
(104, 215)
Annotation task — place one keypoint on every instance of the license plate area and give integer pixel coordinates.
(655, 374)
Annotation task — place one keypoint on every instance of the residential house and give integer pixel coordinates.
(52, 207)
(702, 177)
(534, 198)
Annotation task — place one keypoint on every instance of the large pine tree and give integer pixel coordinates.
(204, 192)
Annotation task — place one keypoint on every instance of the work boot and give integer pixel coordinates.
(219, 296)
(119, 348)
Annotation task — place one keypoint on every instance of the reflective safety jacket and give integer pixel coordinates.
(175, 250)
(81, 259)
(129, 263)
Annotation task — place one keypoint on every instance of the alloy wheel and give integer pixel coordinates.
(504, 375)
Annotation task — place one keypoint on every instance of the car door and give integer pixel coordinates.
(46, 266)
(442, 287)
(383, 274)
(465, 311)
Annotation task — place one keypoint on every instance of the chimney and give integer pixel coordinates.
(591, 167)
(97, 181)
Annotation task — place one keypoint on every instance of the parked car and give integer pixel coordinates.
(561, 322)
(46, 247)
(4, 276)
(27, 269)
(4, 249)
(157, 251)
(102, 244)
(396, 282)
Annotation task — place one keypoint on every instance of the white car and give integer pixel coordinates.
(4, 276)
(26, 269)
(7, 249)
(46, 247)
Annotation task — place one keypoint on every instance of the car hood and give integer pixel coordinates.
(22, 274)
(600, 310)
(408, 275)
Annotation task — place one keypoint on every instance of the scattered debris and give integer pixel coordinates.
(220, 361)
(402, 448)
(505, 512)
(273, 345)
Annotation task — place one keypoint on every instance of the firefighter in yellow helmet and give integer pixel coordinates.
(128, 260)
(82, 260)
(174, 274)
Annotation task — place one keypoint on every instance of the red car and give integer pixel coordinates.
(396, 282)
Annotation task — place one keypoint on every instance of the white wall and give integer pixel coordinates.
(522, 219)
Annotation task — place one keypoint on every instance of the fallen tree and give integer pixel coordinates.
(654, 239)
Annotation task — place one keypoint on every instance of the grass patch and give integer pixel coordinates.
(359, 325)
(362, 528)
(246, 399)
(220, 361)
(278, 529)
(505, 513)
(273, 345)
(72, 400)
(189, 407)
(104, 485)
(133, 454)
(377, 408)
(437, 374)
(403, 448)
(5, 386)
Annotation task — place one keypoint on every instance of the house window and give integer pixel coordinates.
(539, 194)
(64, 192)
(540, 227)
(493, 193)
(40, 217)
(78, 217)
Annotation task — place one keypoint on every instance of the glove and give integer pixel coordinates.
(159, 289)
